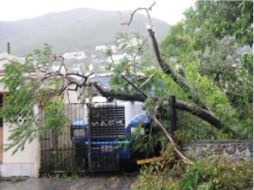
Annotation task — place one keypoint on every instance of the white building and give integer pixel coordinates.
(79, 55)
(117, 58)
(103, 48)
(22, 163)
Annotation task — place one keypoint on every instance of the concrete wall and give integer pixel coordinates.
(234, 149)
(22, 163)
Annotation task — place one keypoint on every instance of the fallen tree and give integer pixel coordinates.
(180, 105)
(37, 72)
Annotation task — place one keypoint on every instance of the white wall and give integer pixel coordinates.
(22, 163)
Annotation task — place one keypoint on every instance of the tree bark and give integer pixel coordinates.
(118, 95)
(199, 112)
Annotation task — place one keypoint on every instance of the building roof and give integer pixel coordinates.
(6, 58)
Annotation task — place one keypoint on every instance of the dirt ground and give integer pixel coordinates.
(101, 182)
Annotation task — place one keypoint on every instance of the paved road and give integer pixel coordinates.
(87, 183)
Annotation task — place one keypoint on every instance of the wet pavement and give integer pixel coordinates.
(102, 182)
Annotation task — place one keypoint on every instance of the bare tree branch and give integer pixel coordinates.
(146, 9)
(147, 80)
(169, 137)
(133, 85)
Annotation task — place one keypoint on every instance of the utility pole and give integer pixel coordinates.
(8, 48)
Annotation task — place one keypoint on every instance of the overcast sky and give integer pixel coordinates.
(167, 10)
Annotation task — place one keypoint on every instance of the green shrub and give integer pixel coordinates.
(154, 177)
(217, 174)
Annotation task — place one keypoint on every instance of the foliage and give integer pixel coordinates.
(161, 175)
(151, 177)
(219, 174)
(191, 128)
(213, 67)
(220, 19)
(144, 141)
(206, 48)
(162, 86)
(55, 116)
(26, 93)
(18, 110)
(70, 176)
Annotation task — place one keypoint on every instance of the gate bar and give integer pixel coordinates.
(173, 113)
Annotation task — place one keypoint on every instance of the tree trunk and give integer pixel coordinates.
(176, 78)
(118, 95)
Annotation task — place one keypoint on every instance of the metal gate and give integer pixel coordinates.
(100, 151)
(58, 152)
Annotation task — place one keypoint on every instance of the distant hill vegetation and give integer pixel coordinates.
(76, 30)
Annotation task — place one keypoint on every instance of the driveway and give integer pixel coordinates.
(101, 182)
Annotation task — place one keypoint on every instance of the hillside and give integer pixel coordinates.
(76, 30)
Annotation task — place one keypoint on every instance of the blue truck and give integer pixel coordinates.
(102, 135)
(102, 132)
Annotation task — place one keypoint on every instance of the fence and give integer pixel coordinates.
(58, 152)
